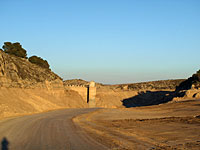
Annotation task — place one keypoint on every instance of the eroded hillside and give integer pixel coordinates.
(29, 88)
(19, 72)
(131, 95)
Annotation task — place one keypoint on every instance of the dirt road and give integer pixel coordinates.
(168, 126)
(47, 131)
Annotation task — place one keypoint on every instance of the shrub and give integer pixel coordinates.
(14, 49)
(198, 72)
(39, 61)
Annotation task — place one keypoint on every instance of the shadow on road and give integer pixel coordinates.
(4, 144)
(148, 98)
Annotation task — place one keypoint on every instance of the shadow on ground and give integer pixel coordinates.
(4, 144)
(148, 98)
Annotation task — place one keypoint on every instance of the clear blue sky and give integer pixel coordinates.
(109, 41)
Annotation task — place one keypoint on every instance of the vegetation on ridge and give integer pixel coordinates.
(14, 49)
(17, 50)
(39, 61)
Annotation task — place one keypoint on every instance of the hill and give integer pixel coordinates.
(19, 72)
(28, 88)
(152, 85)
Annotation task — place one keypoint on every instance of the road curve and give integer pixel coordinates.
(47, 131)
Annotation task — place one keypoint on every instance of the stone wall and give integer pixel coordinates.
(87, 92)
(82, 90)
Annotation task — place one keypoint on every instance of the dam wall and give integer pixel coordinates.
(87, 92)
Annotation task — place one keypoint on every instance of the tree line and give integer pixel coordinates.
(17, 50)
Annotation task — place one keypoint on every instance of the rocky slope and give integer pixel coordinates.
(28, 88)
(20, 73)
(131, 95)
(188, 89)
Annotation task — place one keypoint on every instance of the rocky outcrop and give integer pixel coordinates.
(16, 72)
(188, 89)
(27, 88)
(191, 83)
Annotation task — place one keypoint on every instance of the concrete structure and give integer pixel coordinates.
(92, 94)
(87, 92)
(82, 90)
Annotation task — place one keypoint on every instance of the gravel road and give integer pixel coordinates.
(47, 131)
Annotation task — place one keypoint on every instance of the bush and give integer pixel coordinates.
(198, 72)
(39, 61)
(14, 49)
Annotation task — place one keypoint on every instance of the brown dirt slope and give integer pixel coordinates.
(27, 88)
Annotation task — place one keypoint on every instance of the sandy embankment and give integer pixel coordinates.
(166, 126)
(27, 88)
(18, 101)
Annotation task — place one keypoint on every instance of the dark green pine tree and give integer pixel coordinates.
(14, 49)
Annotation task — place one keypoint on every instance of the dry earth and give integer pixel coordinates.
(52, 130)
(26, 88)
(166, 126)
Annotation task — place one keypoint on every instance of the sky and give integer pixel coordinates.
(108, 41)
